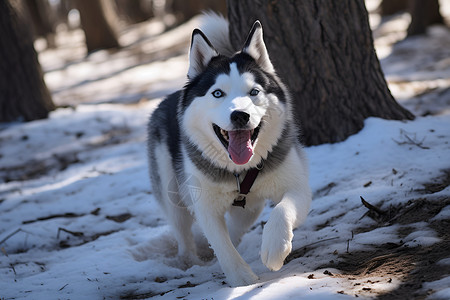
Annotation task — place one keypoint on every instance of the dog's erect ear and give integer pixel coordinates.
(255, 47)
(200, 54)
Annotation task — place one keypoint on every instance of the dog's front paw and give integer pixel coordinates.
(239, 276)
(276, 244)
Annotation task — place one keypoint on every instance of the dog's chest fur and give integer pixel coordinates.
(268, 185)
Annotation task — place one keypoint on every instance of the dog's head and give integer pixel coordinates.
(233, 108)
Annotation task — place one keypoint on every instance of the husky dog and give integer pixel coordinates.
(233, 118)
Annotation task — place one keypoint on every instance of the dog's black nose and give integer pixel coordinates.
(239, 118)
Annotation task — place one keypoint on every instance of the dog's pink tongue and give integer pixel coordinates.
(240, 146)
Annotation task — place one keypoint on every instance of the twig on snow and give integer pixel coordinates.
(14, 269)
(321, 241)
(348, 242)
(371, 207)
(296, 253)
(411, 141)
(12, 234)
(74, 233)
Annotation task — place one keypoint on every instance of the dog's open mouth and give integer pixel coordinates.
(239, 143)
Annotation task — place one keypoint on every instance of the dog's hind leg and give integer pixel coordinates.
(181, 221)
(167, 191)
(241, 219)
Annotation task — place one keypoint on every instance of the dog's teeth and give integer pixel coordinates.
(224, 134)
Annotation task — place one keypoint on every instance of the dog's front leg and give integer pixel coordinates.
(290, 212)
(212, 221)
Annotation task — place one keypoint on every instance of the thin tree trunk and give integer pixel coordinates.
(97, 20)
(390, 7)
(62, 11)
(42, 20)
(134, 11)
(186, 9)
(423, 14)
(323, 50)
(23, 93)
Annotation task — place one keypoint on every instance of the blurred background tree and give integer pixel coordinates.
(390, 7)
(423, 13)
(186, 9)
(99, 22)
(43, 20)
(341, 51)
(135, 11)
(23, 92)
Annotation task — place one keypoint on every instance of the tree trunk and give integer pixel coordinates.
(390, 7)
(97, 20)
(43, 21)
(23, 93)
(423, 14)
(186, 9)
(323, 50)
(62, 11)
(134, 11)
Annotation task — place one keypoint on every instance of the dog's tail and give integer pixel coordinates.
(215, 27)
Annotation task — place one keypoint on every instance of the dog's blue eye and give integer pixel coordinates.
(218, 93)
(254, 92)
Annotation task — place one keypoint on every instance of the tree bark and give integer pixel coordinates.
(23, 93)
(97, 20)
(323, 50)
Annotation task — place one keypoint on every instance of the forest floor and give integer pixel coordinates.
(78, 219)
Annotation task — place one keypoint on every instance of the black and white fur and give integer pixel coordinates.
(185, 150)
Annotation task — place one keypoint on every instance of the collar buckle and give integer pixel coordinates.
(240, 201)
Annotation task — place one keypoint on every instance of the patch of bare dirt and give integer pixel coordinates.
(412, 266)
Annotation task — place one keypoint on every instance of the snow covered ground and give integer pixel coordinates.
(78, 219)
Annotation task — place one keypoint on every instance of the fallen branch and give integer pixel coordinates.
(65, 215)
